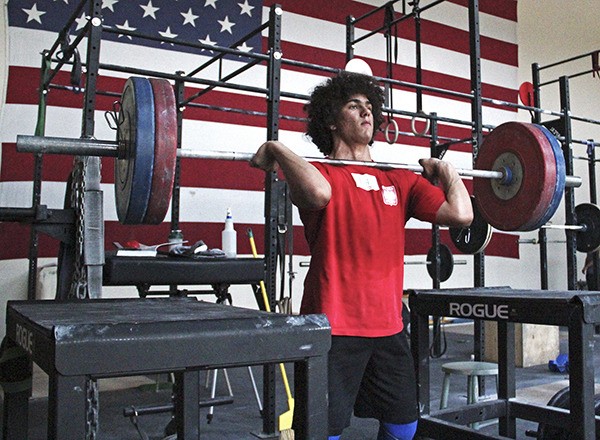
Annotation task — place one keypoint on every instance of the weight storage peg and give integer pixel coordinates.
(587, 228)
(517, 168)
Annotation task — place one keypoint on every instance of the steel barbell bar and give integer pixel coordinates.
(103, 148)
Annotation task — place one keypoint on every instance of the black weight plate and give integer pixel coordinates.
(134, 166)
(561, 400)
(588, 214)
(474, 238)
(446, 263)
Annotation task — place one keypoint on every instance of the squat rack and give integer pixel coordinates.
(562, 128)
(80, 226)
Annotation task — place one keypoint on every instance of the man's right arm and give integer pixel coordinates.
(308, 188)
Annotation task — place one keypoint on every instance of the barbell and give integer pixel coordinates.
(518, 179)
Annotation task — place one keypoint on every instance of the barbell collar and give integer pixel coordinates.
(94, 147)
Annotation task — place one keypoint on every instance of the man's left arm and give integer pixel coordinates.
(456, 211)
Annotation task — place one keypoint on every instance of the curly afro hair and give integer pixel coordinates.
(328, 99)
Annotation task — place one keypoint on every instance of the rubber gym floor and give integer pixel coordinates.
(241, 419)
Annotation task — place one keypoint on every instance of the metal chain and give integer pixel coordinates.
(79, 284)
(79, 287)
(92, 409)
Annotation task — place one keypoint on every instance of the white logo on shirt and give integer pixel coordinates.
(389, 195)
(367, 182)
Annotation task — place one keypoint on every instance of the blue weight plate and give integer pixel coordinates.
(165, 151)
(134, 166)
(561, 176)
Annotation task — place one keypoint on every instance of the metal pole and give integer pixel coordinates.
(271, 197)
(569, 193)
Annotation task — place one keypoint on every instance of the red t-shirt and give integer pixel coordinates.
(357, 246)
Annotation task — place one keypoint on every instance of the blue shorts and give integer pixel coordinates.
(375, 377)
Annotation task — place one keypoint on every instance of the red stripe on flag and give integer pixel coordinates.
(432, 33)
(18, 167)
(293, 51)
(338, 10)
(15, 239)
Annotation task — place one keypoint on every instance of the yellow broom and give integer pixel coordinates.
(285, 419)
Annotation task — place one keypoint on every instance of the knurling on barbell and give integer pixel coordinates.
(516, 172)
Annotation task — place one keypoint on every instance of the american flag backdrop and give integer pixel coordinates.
(313, 31)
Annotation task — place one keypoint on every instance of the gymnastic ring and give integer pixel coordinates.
(391, 121)
(413, 124)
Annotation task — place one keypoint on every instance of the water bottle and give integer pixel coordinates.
(175, 238)
(229, 237)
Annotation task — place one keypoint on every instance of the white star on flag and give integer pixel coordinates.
(208, 41)
(33, 14)
(108, 4)
(81, 21)
(125, 26)
(226, 25)
(246, 8)
(244, 47)
(167, 33)
(149, 10)
(189, 17)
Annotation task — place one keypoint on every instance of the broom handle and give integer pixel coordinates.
(263, 290)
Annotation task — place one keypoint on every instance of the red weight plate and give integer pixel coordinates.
(533, 186)
(165, 151)
(526, 93)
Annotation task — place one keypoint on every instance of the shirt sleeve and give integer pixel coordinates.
(425, 200)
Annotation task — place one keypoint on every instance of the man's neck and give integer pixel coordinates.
(346, 152)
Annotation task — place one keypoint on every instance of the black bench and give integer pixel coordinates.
(74, 341)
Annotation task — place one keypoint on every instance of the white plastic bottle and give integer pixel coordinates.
(229, 237)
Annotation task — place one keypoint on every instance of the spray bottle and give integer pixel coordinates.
(229, 237)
